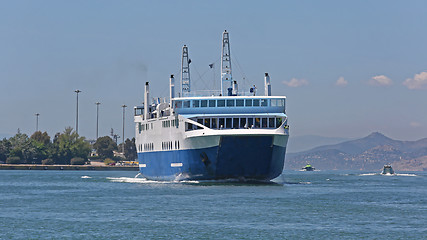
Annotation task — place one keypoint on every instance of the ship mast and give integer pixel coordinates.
(226, 78)
(185, 72)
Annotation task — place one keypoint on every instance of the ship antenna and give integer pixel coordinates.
(226, 65)
(185, 72)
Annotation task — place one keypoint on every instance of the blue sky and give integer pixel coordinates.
(348, 68)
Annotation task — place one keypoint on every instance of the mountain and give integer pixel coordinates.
(368, 153)
(303, 143)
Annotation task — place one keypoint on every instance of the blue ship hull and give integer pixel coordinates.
(236, 157)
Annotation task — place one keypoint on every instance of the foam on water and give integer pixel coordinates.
(85, 177)
(145, 181)
(391, 175)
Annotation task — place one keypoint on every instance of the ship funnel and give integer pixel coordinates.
(146, 97)
(171, 89)
(267, 85)
(235, 88)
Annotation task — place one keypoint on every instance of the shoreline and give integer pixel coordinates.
(67, 167)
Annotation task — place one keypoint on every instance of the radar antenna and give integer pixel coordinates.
(226, 66)
(185, 71)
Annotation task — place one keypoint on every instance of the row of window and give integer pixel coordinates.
(170, 145)
(170, 123)
(144, 127)
(146, 147)
(230, 103)
(234, 123)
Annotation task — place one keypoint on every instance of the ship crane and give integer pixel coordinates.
(228, 86)
(185, 72)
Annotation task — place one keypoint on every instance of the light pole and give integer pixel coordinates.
(97, 118)
(77, 111)
(123, 135)
(37, 121)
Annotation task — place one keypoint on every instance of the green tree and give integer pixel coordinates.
(105, 146)
(22, 147)
(130, 149)
(68, 145)
(41, 137)
(42, 144)
(5, 147)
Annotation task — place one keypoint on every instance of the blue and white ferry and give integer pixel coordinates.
(220, 135)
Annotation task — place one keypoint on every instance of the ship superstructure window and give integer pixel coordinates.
(196, 103)
(250, 122)
(264, 122)
(257, 122)
(220, 103)
(278, 122)
(256, 103)
(204, 103)
(243, 123)
(214, 123)
(148, 147)
(239, 102)
(228, 122)
(186, 104)
(178, 104)
(271, 122)
(207, 122)
(212, 103)
(230, 103)
(264, 102)
(236, 123)
(248, 102)
(221, 123)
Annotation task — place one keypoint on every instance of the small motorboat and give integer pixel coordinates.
(387, 170)
(308, 167)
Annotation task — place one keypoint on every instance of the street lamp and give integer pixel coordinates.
(37, 121)
(123, 140)
(77, 111)
(97, 118)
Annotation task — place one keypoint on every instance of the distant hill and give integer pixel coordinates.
(303, 143)
(368, 153)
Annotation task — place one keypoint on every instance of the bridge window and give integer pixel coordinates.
(212, 103)
(239, 102)
(196, 103)
(248, 102)
(204, 103)
(256, 103)
(264, 102)
(220, 103)
(187, 104)
(230, 103)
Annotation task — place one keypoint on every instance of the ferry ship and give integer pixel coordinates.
(212, 135)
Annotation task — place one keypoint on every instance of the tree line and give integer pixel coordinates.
(65, 148)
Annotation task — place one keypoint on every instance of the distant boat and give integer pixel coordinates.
(308, 167)
(387, 170)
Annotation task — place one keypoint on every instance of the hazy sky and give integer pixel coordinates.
(348, 68)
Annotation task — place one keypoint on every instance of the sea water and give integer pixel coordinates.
(299, 205)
